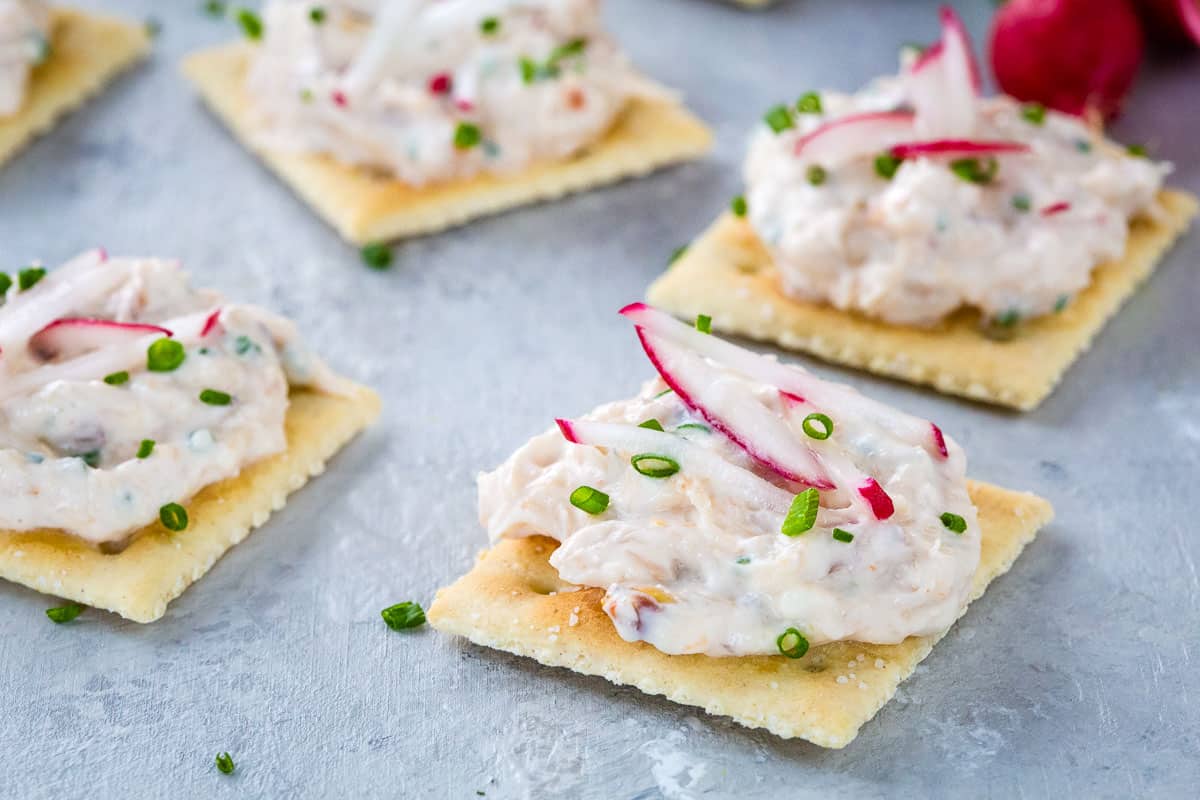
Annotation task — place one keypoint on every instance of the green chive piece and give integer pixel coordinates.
(743, 560)
(317, 15)
(792, 643)
(704, 323)
(1083, 145)
(694, 426)
(663, 393)
(886, 165)
(489, 26)
(738, 206)
(809, 103)
(1034, 113)
(145, 448)
(1009, 318)
(1061, 303)
(575, 47)
(653, 465)
(251, 24)
(91, 458)
(954, 522)
(593, 501)
(403, 616)
(676, 254)
(6, 283)
(214, 8)
(377, 255)
(972, 170)
(817, 426)
(65, 613)
(652, 424)
(244, 344)
(152, 27)
(214, 397)
(117, 378)
(173, 517)
(529, 70)
(306, 95)
(467, 135)
(225, 763)
(164, 355)
(843, 536)
(1137, 150)
(29, 277)
(778, 119)
(816, 174)
(1021, 202)
(803, 513)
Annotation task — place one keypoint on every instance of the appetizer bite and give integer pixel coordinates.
(146, 427)
(921, 230)
(741, 536)
(407, 117)
(51, 60)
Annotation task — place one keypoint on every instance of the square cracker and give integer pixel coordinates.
(87, 51)
(366, 206)
(728, 274)
(504, 602)
(159, 565)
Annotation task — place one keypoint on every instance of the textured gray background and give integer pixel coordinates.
(1072, 677)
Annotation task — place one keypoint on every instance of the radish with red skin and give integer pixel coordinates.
(939, 441)
(952, 148)
(846, 138)
(73, 336)
(1172, 22)
(881, 503)
(1056, 208)
(944, 83)
(210, 324)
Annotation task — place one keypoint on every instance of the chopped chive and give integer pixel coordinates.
(704, 323)
(164, 355)
(91, 458)
(1083, 145)
(1008, 318)
(743, 560)
(225, 763)
(817, 426)
(529, 70)
(152, 27)
(467, 135)
(317, 15)
(173, 517)
(377, 255)
(29, 277)
(575, 47)
(972, 170)
(954, 522)
(778, 119)
(809, 103)
(1061, 303)
(403, 615)
(694, 426)
(214, 8)
(1021, 202)
(145, 448)
(6, 283)
(593, 501)
(676, 254)
(66, 613)
(738, 206)
(251, 24)
(663, 393)
(117, 378)
(244, 344)
(816, 174)
(843, 536)
(886, 165)
(803, 513)
(214, 397)
(1034, 113)
(489, 26)
(653, 465)
(652, 424)
(792, 643)
(1137, 150)
(306, 96)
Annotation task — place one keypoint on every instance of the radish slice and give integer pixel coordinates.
(957, 46)
(939, 441)
(879, 500)
(853, 136)
(944, 83)
(957, 147)
(73, 336)
(693, 459)
(210, 324)
(1056, 208)
(743, 420)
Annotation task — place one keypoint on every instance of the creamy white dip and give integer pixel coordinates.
(915, 248)
(24, 43)
(77, 399)
(392, 85)
(696, 563)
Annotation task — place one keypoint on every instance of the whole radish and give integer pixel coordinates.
(1172, 21)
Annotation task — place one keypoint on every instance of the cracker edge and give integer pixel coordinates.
(158, 566)
(1033, 365)
(364, 209)
(61, 85)
(463, 609)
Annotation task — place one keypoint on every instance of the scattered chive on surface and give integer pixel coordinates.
(317, 15)
(225, 763)
(1034, 113)
(593, 501)
(251, 24)
(61, 614)
(817, 426)
(152, 27)
(215, 397)
(529, 70)
(842, 535)
(214, 8)
(886, 165)
(1083, 145)
(173, 517)
(972, 170)
(6, 283)
(489, 26)
(778, 119)
(704, 323)
(676, 254)
(743, 560)
(1137, 150)
(91, 458)
(29, 277)
(809, 103)
(1009, 318)
(467, 135)
(377, 255)
(738, 206)
(164, 355)
(117, 378)
(575, 47)
(145, 448)
(1061, 303)
(403, 616)
(694, 426)
(803, 513)
(954, 522)
(663, 393)
(652, 424)
(816, 174)
(1021, 202)
(653, 465)
(792, 643)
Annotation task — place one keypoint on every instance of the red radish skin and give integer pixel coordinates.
(855, 134)
(881, 503)
(440, 83)
(939, 441)
(568, 432)
(791, 397)
(1056, 208)
(1076, 56)
(957, 147)
(339, 98)
(211, 323)
(74, 335)
(1172, 22)
(952, 26)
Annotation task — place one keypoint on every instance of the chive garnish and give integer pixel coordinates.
(403, 615)
(1061, 303)
(29, 277)
(316, 14)
(704, 323)
(529, 70)
(954, 522)
(1021, 202)
(694, 426)
(1009, 318)
(377, 255)
(738, 206)
(117, 378)
(652, 424)
(743, 560)
(816, 174)
(575, 47)
(1034, 113)
(244, 344)
(173, 517)
(251, 23)
(842, 535)
(803, 513)
(145, 448)
(972, 170)
(663, 393)
(489, 26)
(152, 27)
(214, 397)
(1083, 145)
(778, 119)
(225, 763)
(66, 613)
(676, 254)
(5, 284)
(164, 355)
(886, 165)
(467, 135)
(653, 465)
(214, 8)
(792, 643)
(91, 458)
(809, 103)
(593, 501)
(818, 426)
(1137, 150)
